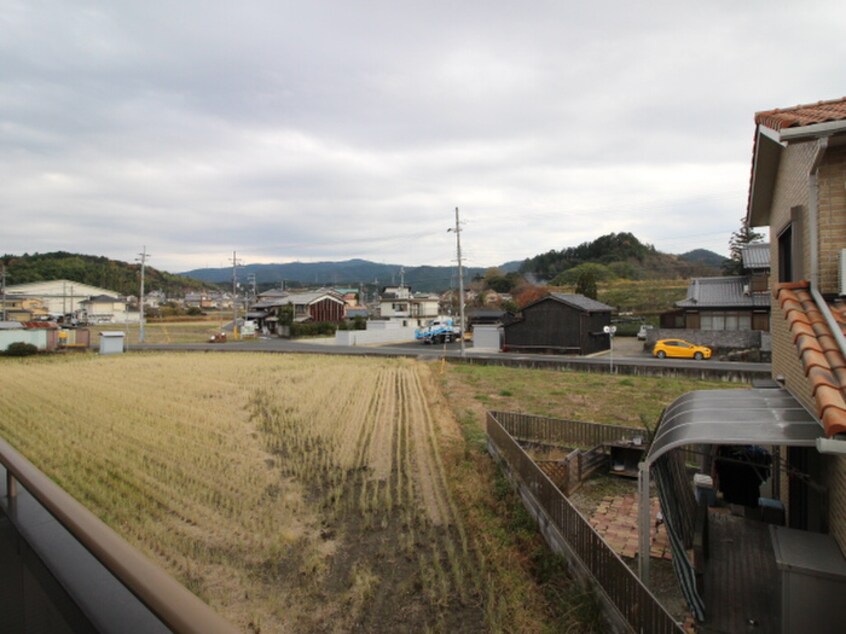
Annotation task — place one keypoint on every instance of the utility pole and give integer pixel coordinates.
(235, 264)
(254, 286)
(143, 259)
(3, 288)
(460, 281)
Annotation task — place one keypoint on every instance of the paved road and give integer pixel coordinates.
(624, 363)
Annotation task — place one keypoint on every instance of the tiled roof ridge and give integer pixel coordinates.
(822, 359)
(803, 114)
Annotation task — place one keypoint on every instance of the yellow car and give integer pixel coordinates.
(680, 349)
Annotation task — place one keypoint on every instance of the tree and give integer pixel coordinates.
(586, 285)
(529, 294)
(599, 272)
(740, 239)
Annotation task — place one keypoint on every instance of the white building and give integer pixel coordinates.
(401, 304)
(104, 309)
(60, 297)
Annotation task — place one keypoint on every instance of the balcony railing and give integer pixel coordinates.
(155, 600)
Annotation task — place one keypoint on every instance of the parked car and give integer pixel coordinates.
(680, 349)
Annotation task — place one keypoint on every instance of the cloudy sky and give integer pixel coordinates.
(332, 130)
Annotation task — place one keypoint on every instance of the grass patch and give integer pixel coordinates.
(535, 591)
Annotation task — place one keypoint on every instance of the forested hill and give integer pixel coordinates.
(624, 256)
(120, 277)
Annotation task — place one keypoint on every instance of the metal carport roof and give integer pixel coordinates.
(758, 416)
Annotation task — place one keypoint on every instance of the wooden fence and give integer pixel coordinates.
(577, 433)
(569, 472)
(636, 605)
(567, 433)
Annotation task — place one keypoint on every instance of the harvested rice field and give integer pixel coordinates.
(292, 493)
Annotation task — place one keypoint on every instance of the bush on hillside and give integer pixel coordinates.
(570, 277)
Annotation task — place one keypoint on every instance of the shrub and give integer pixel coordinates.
(21, 349)
(312, 329)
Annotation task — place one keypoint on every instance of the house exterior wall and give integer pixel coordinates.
(835, 475)
(831, 213)
(792, 190)
(326, 310)
(412, 308)
(549, 324)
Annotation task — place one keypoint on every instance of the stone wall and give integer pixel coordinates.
(717, 340)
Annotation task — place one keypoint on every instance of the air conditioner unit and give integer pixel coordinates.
(843, 271)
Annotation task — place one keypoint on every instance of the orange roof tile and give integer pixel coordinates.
(820, 112)
(834, 421)
(822, 358)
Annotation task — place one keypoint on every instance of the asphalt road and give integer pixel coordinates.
(623, 361)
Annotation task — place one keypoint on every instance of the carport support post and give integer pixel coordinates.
(643, 523)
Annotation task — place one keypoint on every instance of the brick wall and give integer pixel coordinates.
(832, 238)
(791, 191)
(832, 218)
(836, 482)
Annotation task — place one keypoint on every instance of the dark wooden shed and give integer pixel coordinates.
(564, 324)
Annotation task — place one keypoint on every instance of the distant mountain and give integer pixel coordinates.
(704, 257)
(121, 277)
(346, 273)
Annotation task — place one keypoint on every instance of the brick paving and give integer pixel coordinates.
(616, 520)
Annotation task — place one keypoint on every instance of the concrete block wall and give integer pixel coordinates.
(398, 334)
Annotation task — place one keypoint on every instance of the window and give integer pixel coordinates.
(785, 255)
(790, 257)
(725, 321)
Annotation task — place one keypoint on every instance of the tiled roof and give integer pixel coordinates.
(822, 358)
(756, 256)
(309, 297)
(722, 292)
(820, 112)
(582, 302)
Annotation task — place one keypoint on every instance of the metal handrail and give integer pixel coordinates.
(170, 601)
